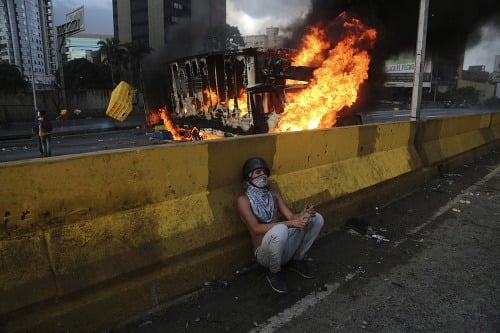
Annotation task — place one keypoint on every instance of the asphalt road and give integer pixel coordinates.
(438, 272)
(90, 137)
(78, 143)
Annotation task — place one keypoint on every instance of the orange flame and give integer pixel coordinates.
(169, 124)
(242, 102)
(210, 98)
(336, 82)
(313, 46)
(178, 134)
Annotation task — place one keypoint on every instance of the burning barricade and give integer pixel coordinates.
(263, 90)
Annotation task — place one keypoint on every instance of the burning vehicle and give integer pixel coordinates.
(254, 91)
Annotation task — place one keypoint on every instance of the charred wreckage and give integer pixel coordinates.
(235, 92)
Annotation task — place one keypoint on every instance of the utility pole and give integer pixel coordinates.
(74, 24)
(31, 57)
(416, 97)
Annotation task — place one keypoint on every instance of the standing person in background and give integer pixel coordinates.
(45, 133)
(36, 131)
(277, 240)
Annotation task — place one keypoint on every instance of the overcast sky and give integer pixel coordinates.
(252, 17)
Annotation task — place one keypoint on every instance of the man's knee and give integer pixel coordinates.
(318, 220)
(279, 232)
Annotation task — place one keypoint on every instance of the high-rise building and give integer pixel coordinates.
(170, 22)
(27, 36)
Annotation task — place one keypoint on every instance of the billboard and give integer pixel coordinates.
(75, 22)
(400, 70)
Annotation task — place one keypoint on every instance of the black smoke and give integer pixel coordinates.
(453, 26)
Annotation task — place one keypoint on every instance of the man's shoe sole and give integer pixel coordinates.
(276, 290)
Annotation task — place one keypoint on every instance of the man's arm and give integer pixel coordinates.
(259, 229)
(247, 216)
(285, 210)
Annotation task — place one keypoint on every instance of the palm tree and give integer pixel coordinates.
(132, 60)
(112, 53)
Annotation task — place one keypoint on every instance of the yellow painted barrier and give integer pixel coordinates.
(441, 139)
(124, 230)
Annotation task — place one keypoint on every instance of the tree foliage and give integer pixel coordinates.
(132, 59)
(11, 78)
(112, 53)
(223, 37)
(82, 74)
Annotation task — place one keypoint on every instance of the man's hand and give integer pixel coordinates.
(300, 222)
(310, 210)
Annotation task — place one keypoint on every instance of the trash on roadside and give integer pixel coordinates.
(452, 175)
(379, 238)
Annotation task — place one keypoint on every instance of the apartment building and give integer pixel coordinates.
(27, 36)
(172, 23)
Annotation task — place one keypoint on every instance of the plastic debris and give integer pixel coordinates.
(379, 238)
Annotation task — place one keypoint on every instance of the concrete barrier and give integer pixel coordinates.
(441, 139)
(92, 239)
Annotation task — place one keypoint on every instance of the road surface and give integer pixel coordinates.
(91, 139)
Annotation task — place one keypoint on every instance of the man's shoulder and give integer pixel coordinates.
(241, 196)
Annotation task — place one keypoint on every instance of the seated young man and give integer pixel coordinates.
(276, 242)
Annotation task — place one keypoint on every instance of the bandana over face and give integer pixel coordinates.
(261, 199)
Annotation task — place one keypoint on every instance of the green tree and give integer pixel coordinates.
(223, 37)
(82, 74)
(11, 79)
(233, 38)
(112, 53)
(132, 59)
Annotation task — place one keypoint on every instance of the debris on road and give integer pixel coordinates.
(380, 238)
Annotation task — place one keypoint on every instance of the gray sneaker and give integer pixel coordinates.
(277, 282)
(300, 267)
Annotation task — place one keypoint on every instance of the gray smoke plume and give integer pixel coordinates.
(453, 26)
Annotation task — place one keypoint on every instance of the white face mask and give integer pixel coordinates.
(260, 181)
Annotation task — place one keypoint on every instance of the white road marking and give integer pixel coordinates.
(298, 308)
(277, 321)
